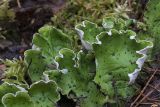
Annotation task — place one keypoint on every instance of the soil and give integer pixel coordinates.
(30, 16)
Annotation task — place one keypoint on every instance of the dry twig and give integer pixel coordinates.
(141, 93)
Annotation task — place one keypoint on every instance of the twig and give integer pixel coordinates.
(143, 89)
(154, 88)
(129, 3)
(150, 69)
(146, 96)
(19, 4)
(149, 103)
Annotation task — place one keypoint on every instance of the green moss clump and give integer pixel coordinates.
(76, 11)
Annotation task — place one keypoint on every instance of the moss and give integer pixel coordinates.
(76, 11)
(152, 18)
(5, 12)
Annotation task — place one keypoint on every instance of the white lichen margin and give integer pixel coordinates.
(86, 44)
(76, 58)
(141, 60)
(60, 55)
(20, 90)
(14, 95)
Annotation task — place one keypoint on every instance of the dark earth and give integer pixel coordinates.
(30, 16)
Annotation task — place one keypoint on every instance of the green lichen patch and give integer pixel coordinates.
(87, 33)
(94, 98)
(40, 94)
(114, 23)
(21, 99)
(116, 58)
(75, 76)
(7, 88)
(50, 40)
(44, 94)
(36, 64)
